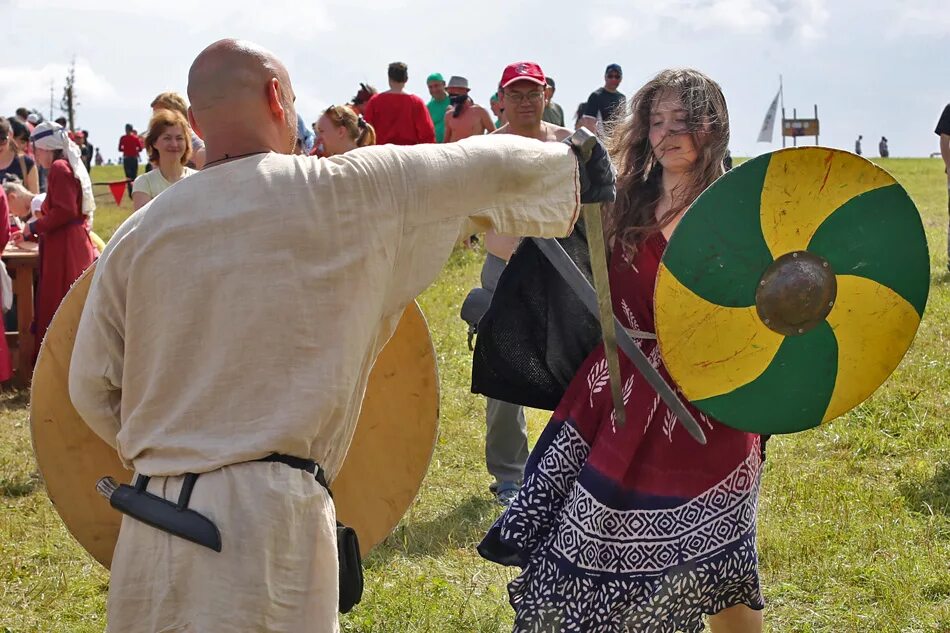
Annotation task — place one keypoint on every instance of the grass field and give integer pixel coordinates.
(854, 527)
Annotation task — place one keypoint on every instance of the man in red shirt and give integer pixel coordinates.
(400, 118)
(130, 145)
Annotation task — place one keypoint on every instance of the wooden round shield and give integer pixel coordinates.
(791, 289)
(379, 479)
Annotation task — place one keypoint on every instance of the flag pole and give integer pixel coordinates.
(781, 96)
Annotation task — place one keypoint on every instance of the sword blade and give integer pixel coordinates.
(566, 267)
(605, 308)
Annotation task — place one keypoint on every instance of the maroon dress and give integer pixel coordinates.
(634, 528)
(6, 366)
(65, 248)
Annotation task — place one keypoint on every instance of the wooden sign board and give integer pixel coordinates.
(799, 127)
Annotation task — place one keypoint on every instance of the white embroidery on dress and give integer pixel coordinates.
(656, 403)
(631, 320)
(669, 423)
(597, 379)
(627, 390)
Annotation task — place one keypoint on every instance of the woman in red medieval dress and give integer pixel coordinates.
(63, 226)
(6, 367)
(638, 528)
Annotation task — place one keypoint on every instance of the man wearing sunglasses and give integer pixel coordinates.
(605, 104)
(464, 118)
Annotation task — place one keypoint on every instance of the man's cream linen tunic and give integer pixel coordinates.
(239, 314)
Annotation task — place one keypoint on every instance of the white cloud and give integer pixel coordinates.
(921, 17)
(609, 28)
(25, 85)
(804, 19)
(737, 15)
(287, 18)
(309, 104)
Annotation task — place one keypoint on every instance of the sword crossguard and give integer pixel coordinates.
(583, 141)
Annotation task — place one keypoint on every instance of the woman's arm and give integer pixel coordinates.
(31, 180)
(140, 199)
(4, 222)
(141, 191)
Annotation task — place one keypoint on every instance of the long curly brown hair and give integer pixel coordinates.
(639, 174)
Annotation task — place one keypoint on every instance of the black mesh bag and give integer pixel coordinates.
(536, 332)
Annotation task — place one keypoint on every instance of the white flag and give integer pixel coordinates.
(765, 134)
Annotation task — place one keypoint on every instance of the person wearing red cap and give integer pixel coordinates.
(521, 94)
(464, 118)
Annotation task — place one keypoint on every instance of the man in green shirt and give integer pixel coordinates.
(438, 104)
(553, 113)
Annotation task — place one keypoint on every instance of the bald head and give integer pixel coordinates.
(240, 93)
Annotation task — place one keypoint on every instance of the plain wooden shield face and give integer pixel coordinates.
(380, 477)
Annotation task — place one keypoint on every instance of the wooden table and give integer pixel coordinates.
(22, 266)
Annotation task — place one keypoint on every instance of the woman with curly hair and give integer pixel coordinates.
(638, 528)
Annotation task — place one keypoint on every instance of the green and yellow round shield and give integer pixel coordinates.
(791, 289)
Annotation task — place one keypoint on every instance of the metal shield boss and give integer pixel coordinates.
(382, 473)
(791, 289)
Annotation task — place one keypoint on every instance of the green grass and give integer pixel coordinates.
(109, 216)
(854, 520)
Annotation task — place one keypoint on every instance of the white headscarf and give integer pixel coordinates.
(51, 136)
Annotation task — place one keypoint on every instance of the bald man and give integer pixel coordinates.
(235, 318)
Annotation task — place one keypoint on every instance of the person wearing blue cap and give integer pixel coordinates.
(605, 104)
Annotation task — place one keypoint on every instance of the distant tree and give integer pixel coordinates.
(70, 100)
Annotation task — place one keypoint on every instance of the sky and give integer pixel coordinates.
(872, 68)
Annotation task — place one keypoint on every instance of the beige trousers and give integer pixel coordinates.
(277, 570)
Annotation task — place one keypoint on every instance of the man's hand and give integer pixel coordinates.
(598, 177)
(589, 122)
